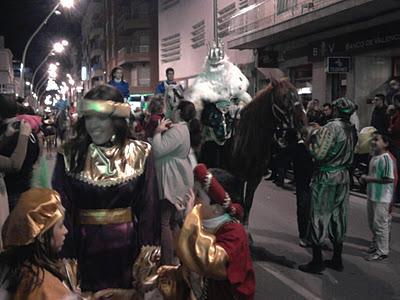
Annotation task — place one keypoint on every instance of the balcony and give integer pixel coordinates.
(129, 55)
(264, 23)
(128, 23)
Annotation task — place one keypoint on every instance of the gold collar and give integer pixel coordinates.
(109, 166)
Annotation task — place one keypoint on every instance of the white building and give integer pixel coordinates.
(359, 38)
(186, 27)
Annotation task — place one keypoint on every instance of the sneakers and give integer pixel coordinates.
(375, 257)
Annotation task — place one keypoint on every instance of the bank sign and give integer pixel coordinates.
(353, 43)
(338, 64)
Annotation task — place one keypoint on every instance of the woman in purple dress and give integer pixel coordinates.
(108, 186)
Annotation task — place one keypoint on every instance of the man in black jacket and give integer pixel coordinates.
(379, 118)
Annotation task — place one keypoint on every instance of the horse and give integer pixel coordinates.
(272, 113)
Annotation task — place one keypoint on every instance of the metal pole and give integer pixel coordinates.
(40, 81)
(38, 67)
(215, 12)
(22, 83)
(41, 85)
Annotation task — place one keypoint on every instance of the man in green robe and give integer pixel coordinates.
(332, 147)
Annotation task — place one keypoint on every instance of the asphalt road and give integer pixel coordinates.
(277, 254)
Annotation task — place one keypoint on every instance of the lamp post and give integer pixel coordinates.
(58, 47)
(65, 3)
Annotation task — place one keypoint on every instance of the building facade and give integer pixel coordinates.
(131, 42)
(121, 33)
(328, 48)
(186, 27)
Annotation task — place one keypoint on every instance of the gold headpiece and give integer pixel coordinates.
(104, 107)
(37, 210)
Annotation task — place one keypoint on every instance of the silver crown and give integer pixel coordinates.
(216, 52)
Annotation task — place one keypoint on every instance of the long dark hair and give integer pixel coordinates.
(76, 148)
(26, 264)
(188, 114)
(115, 70)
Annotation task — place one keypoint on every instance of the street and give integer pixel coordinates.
(277, 254)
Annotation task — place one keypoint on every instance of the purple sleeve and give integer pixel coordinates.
(148, 207)
(60, 183)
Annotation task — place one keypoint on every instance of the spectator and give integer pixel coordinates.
(380, 191)
(156, 108)
(394, 88)
(354, 120)
(314, 114)
(327, 113)
(303, 169)
(17, 182)
(171, 145)
(117, 80)
(171, 91)
(394, 128)
(12, 164)
(379, 119)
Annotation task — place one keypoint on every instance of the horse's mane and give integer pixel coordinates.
(253, 138)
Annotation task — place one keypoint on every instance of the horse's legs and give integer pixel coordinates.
(251, 188)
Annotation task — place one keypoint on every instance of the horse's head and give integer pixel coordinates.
(269, 116)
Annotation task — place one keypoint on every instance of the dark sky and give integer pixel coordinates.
(20, 18)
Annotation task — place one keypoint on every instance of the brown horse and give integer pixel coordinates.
(266, 119)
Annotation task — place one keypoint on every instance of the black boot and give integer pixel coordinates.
(316, 265)
(336, 262)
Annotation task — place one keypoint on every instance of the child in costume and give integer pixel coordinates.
(33, 234)
(212, 245)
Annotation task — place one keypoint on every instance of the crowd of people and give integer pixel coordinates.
(125, 180)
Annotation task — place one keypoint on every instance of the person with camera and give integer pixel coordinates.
(11, 128)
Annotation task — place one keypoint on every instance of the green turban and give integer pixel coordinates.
(344, 106)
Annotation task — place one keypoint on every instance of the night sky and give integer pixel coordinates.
(20, 18)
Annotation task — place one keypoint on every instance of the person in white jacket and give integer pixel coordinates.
(171, 146)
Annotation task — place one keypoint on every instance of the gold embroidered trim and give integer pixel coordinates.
(105, 216)
(112, 166)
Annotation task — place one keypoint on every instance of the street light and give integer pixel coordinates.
(66, 4)
(55, 50)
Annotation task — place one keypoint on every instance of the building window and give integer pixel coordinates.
(171, 48)
(198, 34)
(144, 75)
(224, 19)
(282, 6)
(243, 4)
(167, 4)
